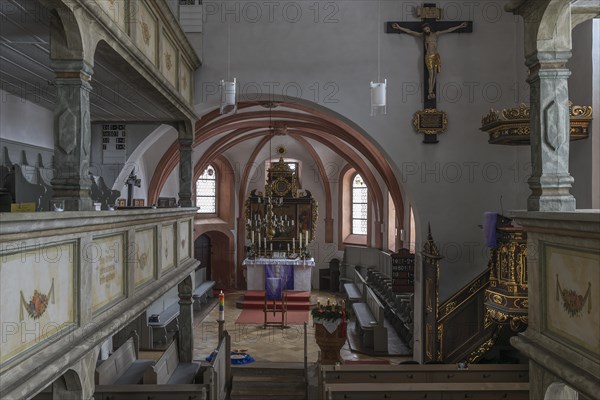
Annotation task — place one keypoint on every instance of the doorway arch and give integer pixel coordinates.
(220, 244)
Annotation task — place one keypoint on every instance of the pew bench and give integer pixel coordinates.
(168, 370)
(154, 392)
(122, 367)
(451, 391)
(355, 290)
(370, 322)
(165, 319)
(201, 293)
(352, 292)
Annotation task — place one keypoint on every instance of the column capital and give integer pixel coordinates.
(68, 66)
(547, 60)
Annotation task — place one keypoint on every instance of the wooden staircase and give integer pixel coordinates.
(268, 381)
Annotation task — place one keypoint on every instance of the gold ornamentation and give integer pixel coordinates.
(449, 307)
(511, 126)
(429, 12)
(429, 339)
(430, 247)
(440, 338)
(496, 298)
(168, 61)
(487, 321)
(430, 121)
(146, 33)
(475, 287)
(484, 347)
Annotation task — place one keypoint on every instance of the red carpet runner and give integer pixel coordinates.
(254, 301)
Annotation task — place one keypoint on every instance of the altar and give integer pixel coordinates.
(294, 274)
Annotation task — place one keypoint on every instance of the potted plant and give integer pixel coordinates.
(330, 330)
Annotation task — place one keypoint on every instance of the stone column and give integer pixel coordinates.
(186, 320)
(186, 139)
(550, 182)
(72, 135)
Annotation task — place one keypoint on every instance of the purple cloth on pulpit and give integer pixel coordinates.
(489, 229)
(285, 274)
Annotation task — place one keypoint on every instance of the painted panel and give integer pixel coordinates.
(144, 256)
(168, 247)
(38, 294)
(185, 80)
(115, 10)
(144, 29)
(169, 59)
(108, 276)
(185, 238)
(572, 295)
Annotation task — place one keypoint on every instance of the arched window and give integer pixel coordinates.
(359, 206)
(206, 191)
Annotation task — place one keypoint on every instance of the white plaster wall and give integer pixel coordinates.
(330, 56)
(581, 89)
(25, 122)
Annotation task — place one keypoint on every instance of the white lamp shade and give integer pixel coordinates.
(379, 97)
(228, 97)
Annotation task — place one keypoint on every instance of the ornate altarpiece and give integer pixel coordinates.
(281, 221)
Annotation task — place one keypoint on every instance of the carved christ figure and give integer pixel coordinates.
(432, 57)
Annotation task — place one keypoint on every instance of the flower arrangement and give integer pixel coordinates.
(329, 311)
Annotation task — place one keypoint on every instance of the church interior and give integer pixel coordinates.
(349, 199)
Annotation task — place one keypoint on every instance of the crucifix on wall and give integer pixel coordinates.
(430, 120)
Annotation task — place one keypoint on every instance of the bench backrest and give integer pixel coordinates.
(361, 284)
(115, 365)
(375, 306)
(164, 367)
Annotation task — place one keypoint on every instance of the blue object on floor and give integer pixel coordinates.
(236, 358)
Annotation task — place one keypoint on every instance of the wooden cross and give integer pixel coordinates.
(430, 29)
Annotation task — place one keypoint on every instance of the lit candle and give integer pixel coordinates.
(265, 243)
(221, 306)
(293, 243)
(306, 241)
(300, 240)
(258, 239)
(288, 247)
(252, 236)
(271, 246)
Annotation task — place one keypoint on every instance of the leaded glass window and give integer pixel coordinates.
(359, 206)
(206, 191)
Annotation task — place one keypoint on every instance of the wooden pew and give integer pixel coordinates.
(370, 322)
(122, 367)
(376, 375)
(167, 379)
(168, 369)
(165, 319)
(439, 391)
(201, 293)
(154, 392)
(355, 290)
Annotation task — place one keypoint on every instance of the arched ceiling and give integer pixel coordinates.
(333, 138)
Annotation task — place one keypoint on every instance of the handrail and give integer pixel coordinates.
(461, 297)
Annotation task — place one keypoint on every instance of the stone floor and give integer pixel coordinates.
(266, 345)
